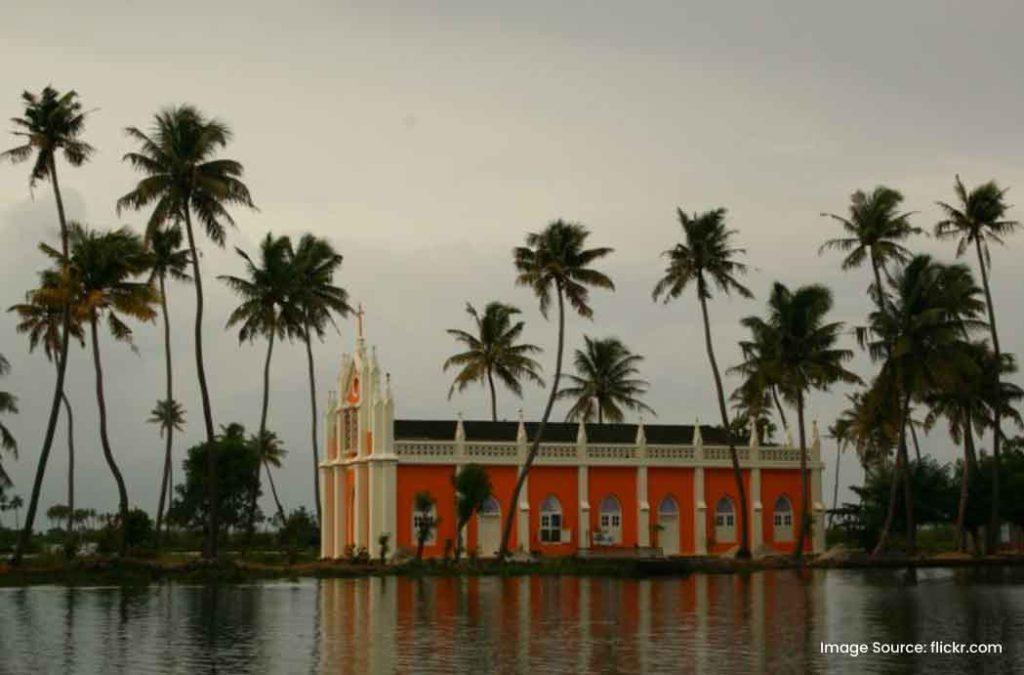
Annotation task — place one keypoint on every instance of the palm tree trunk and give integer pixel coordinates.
(494, 397)
(744, 549)
(169, 375)
(105, 440)
(58, 389)
(961, 511)
(908, 495)
(71, 467)
(513, 509)
(897, 471)
(992, 535)
(312, 404)
(913, 437)
(778, 407)
(835, 489)
(805, 488)
(273, 492)
(213, 518)
(260, 439)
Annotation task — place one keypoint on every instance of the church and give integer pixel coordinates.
(593, 489)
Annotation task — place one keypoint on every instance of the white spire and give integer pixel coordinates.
(755, 440)
(698, 438)
(641, 435)
(460, 430)
(521, 429)
(581, 433)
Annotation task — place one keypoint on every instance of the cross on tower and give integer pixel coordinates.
(359, 321)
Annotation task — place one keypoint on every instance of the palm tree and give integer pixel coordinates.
(472, 490)
(980, 218)
(318, 300)
(707, 257)
(493, 350)
(875, 229)
(9, 405)
(267, 310)
(183, 178)
(606, 382)
(167, 259)
(52, 123)
(14, 504)
(169, 416)
(43, 323)
(806, 358)
(919, 337)
(554, 260)
(272, 453)
(101, 268)
(423, 504)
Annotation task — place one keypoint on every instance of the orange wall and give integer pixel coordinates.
(774, 484)
(560, 481)
(719, 483)
(619, 481)
(664, 481)
(437, 480)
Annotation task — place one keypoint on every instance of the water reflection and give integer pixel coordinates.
(768, 622)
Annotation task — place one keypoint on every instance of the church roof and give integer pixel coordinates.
(558, 432)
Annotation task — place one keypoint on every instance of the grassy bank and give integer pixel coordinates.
(135, 571)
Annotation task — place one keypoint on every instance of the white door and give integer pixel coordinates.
(668, 534)
(488, 529)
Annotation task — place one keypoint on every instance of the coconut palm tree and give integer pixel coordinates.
(472, 488)
(555, 262)
(169, 416)
(267, 310)
(272, 454)
(8, 405)
(42, 323)
(184, 178)
(52, 124)
(918, 336)
(423, 504)
(875, 230)
(605, 382)
(167, 259)
(493, 350)
(707, 258)
(977, 219)
(14, 504)
(806, 358)
(318, 299)
(101, 268)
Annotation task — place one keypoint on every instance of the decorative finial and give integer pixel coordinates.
(359, 321)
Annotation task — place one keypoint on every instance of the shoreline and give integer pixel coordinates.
(143, 571)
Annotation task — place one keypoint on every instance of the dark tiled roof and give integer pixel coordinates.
(556, 432)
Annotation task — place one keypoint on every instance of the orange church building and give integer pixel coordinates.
(593, 487)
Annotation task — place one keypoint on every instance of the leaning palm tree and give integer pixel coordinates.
(169, 416)
(8, 405)
(806, 358)
(707, 257)
(918, 336)
(978, 219)
(102, 267)
(605, 382)
(875, 230)
(184, 178)
(167, 259)
(493, 350)
(318, 300)
(52, 123)
(42, 322)
(272, 453)
(554, 261)
(267, 310)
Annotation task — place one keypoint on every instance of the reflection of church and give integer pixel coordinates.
(593, 486)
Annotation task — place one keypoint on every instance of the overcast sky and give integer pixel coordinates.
(425, 139)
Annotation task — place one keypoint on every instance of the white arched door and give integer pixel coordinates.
(488, 522)
(668, 526)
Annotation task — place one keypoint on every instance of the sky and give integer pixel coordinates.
(424, 140)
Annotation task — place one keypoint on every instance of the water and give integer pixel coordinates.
(767, 622)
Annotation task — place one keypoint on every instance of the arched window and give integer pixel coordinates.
(725, 520)
(668, 507)
(782, 519)
(491, 507)
(609, 522)
(551, 520)
(424, 519)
